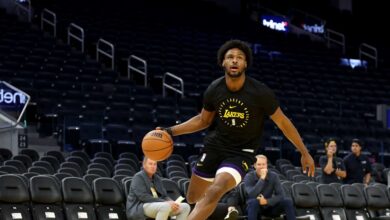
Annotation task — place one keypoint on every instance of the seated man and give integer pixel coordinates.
(265, 193)
(227, 207)
(148, 198)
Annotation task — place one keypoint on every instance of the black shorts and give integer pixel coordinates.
(211, 160)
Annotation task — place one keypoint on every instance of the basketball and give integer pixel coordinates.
(157, 145)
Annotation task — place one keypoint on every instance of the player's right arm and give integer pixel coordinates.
(199, 122)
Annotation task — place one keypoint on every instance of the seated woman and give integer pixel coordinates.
(333, 169)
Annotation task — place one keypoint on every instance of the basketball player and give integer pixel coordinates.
(239, 104)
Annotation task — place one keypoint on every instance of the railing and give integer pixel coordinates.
(331, 37)
(101, 42)
(72, 35)
(373, 55)
(25, 8)
(140, 69)
(165, 85)
(51, 20)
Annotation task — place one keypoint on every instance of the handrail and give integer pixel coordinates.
(109, 55)
(143, 72)
(330, 39)
(27, 8)
(171, 87)
(52, 22)
(79, 38)
(373, 56)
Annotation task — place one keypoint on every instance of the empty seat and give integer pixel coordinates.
(81, 154)
(70, 171)
(105, 155)
(124, 167)
(80, 161)
(354, 202)
(46, 198)
(305, 200)
(61, 176)
(98, 171)
(9, 169)
(38, 169)
(378, 203)
(16, 163)
(173, 190)
(5, 153)
(44, 164)
(26, 160)
(89, 178)
(55, 163)
(109, 199)
(126, 172)
(72, 165)
(134, 164)
(56, 154)
(33, 154)
(14, 198)
(78, 199)
(330, 202)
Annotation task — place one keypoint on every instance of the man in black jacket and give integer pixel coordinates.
(265, 193)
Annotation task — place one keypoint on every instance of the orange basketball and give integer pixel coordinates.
(157, 145)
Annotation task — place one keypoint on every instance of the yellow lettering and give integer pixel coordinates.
(229, 114)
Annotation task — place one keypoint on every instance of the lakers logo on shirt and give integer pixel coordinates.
(233, 113)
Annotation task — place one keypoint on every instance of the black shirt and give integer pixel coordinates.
(337, 164)
(356, 167)
(239, 115)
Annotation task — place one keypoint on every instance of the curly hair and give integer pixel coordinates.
(241, 45)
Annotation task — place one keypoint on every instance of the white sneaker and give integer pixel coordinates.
(232, 215)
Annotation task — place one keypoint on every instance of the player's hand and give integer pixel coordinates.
(168, 130)
(307, 162)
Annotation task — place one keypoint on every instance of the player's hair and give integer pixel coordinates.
(241, 45)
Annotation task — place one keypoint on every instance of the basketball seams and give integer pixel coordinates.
(157, 139)
(154, 150)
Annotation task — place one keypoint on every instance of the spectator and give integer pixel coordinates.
(357, 165)
(148, 197)
(333, 169)
(265, 193)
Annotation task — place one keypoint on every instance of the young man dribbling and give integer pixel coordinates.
(239, 104)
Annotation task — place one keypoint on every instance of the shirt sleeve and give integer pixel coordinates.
(208, 99)
(342, 165)
(323, 161)
(253, 185)
(278, 192)
(269, 101)
(368, 167)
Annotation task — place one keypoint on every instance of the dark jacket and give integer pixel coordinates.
(270, 187)
(140, 193)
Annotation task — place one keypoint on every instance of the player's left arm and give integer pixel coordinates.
(289, 130)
